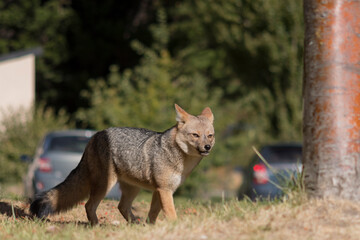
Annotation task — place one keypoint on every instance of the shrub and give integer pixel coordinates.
(20, 132)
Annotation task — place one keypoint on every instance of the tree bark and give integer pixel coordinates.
(331, 121)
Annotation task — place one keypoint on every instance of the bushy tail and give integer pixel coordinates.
(64, 196)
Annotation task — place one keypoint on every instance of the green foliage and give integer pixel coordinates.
(15, 21)
(31, 23)
(241, 58)
(144, 96)
(21, 132)
(252, 50)
(80, 40)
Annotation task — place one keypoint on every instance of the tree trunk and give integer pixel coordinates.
(331, 121)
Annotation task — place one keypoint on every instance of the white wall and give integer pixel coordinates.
(17, 83)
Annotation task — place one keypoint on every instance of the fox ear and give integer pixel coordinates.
(181, 115)
(208, 114)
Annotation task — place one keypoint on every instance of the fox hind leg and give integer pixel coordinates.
(97, 193)
(154, 208)
(92, 204)
(128, 194)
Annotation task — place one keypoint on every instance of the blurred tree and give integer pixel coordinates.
(252, 49)
(80, 40)
(25, 24)
(137, 96)
(243, 58)
(144, 96)
(99, 36)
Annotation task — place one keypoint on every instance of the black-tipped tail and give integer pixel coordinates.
(41, 207)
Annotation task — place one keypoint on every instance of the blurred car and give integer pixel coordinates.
(262, 181)
(56, 156)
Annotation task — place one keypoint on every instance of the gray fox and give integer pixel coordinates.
(136, 158)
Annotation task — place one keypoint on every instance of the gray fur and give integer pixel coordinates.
(136, 158)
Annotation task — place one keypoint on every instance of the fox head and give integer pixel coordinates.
(196, 135)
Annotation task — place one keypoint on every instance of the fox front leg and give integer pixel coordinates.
(167, 203)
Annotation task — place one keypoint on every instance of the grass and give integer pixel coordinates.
(294, 217)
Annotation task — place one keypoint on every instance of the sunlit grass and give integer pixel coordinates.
(231, 219)
(290, 217)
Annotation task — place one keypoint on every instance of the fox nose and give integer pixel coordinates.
(207, 147)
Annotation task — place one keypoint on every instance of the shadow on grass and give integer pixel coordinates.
(76, 223)
(13, 211)
(20, 213)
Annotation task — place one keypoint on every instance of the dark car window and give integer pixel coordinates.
(284, 154)
(68, 144)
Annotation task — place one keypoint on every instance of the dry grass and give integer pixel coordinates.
(295, 218)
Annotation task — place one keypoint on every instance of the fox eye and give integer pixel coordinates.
(195, 135)
(210, 135)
